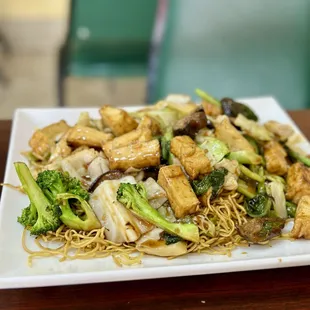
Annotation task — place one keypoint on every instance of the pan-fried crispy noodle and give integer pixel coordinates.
(79, 245)
(217, 229)
(217, 225)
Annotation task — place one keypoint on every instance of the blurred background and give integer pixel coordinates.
(129, 52)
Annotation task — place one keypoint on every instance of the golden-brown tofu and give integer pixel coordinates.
(55, 129)
(227, 133)
(149, 123)
(41, 145)
(43, 140)
(193, 159)
(82, 135)
(137, 155)
(301, 227)
(118, 120)
(181, 196)
(137, 135)
(211, 109)
(298, 182)
(275, 158)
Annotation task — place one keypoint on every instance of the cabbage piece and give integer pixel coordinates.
(155, 193)
(120, 223)
(86, 165)
(253, 128)
(276, 191)
(152, 243)
(216, 149)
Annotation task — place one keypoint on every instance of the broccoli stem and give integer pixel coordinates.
(133, 197)
(205, 96)
(30, 186)
(250, 174)
(73, 221)
(48, 214)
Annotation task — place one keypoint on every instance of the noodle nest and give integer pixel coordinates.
(217, 235)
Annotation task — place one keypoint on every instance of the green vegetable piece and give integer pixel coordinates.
(28, 217)
(258, 206)
(246, 157)
(205, 96)
(250, 174)
(170, 239)
(214, 180)
(291, 209)
(295, 156)
(253, 142)
(165, 146)
(216, 148)
(244, 190)
(54, 182)
(134, 198)
(89, 220)
(48, 214)
(59, 188)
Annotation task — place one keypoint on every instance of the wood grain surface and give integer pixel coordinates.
(286, 288)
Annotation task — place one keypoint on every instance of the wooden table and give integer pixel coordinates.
(286, 288)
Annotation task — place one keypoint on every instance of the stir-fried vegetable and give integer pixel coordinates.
(295, 156)
(276, 191)
(290, 209)
(134, 197)
(258, 206)
(42, 215)
(216, 149)
(213, 181)
(205, 96)
(246, 157)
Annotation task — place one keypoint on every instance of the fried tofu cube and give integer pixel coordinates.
(137, 155)
(149, 123)
(301, 227)
(298, 182)
(82, 135)
(118, 120)
(43, 140)
(275, 158)
(227, 133)
(181, 196)
(137, 135)
(193, 159)
(41, 145)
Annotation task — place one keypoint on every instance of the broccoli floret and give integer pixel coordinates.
(29, 216)
(74, 186)
(59, 188)
(48, 214)
(134, 198)
(214, 180)
(54, 182)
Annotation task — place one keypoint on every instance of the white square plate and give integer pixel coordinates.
(14, 271)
